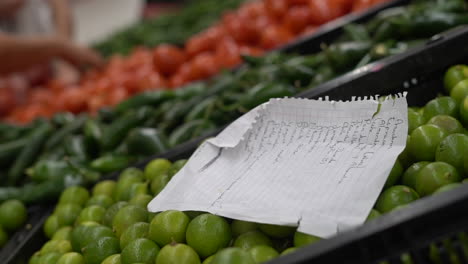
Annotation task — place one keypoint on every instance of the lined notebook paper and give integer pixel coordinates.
(316, 164)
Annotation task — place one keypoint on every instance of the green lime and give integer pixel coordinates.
(75, 194)
(395, 196)
(137, 230)
(104, 188)
(277, 231)
(262, 253)
(301, 239)
(415, 120)
(141, 200)
(49, 258)
(139, 188)
(409, 177)
(71, 258)
(288, 251)
(92, 234)
(13, 214)
(97, 251)
(434, 176)
(373, 215)
(159, 182)
(448, 187)
(101, 200)
(233, 256)
(208, 260)
(460, 91)
(451, 150)
(127, 178)
(424, 142)
(444, 105)
(157, 167)
(127, 216)
(207, 234)
(51, 225)
(448, 123)
(250, 239)
(60, 246)
(405, 157)
(464, 112)
(112, 259)
(169, 226)
(3, 237)
(454, 75)
(132, 173)
(34, 259)
(140, 250)
(64, 233)
(67, 213)
(151, 216)
(177, 253)
(176, 166)
(112, 211)
(240, 227)
(395, 174)
(94, 213)
(466, 162)
(77, 235)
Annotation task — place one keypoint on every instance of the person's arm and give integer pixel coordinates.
(20, 53)
(62, 18)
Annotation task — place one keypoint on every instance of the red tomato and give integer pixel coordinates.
(39, 96)
(204, 66)
(298, 2)
(276, 8)
(242, 30)
(274, 36)
(177, 80)
(95, 103)
(151, 81)
(309, 30)
(168, 58)
(205, 41)
(75, 100)
(251, 51)
(326, 10)
(376, 2)
(227, 53)
(117, 95)
(252, 10)
(297, 18)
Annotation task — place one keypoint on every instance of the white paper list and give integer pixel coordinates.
(319, 165)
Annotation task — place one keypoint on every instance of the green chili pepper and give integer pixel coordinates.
(356, 32)
(110, 163)
(75, 147)
(345, 55)
(28, 154)
(92, 136)
(64, 132)
(34, 193)
(150, 98)
(201, 110)
(146, 141)
(63, 119)
(9, 151)
(190, 130)
(263, 92)
(118, 130)
(45, 170)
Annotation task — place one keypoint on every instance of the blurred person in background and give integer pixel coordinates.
(34, 32)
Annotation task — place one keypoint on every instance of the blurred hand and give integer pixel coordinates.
(8, 8)
(79, 56)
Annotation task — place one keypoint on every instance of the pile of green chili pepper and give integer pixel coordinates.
(68, 149)
(173, 28)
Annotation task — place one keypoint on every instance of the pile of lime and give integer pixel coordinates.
(111, 225)
(13, 215)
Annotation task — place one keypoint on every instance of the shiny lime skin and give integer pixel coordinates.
(233, 256)
(464, 112)
(415, 119)
(394, 197)
(435, 175)
(302, 239)
(394, 175)
(460, 91)
(448, 187)
(424, 142)
(451, 150)
(409, 177)
(441, 106)
(454, 75)
(448, 123)
(373, 215)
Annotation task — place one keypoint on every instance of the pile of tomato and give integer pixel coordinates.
(254, 28)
